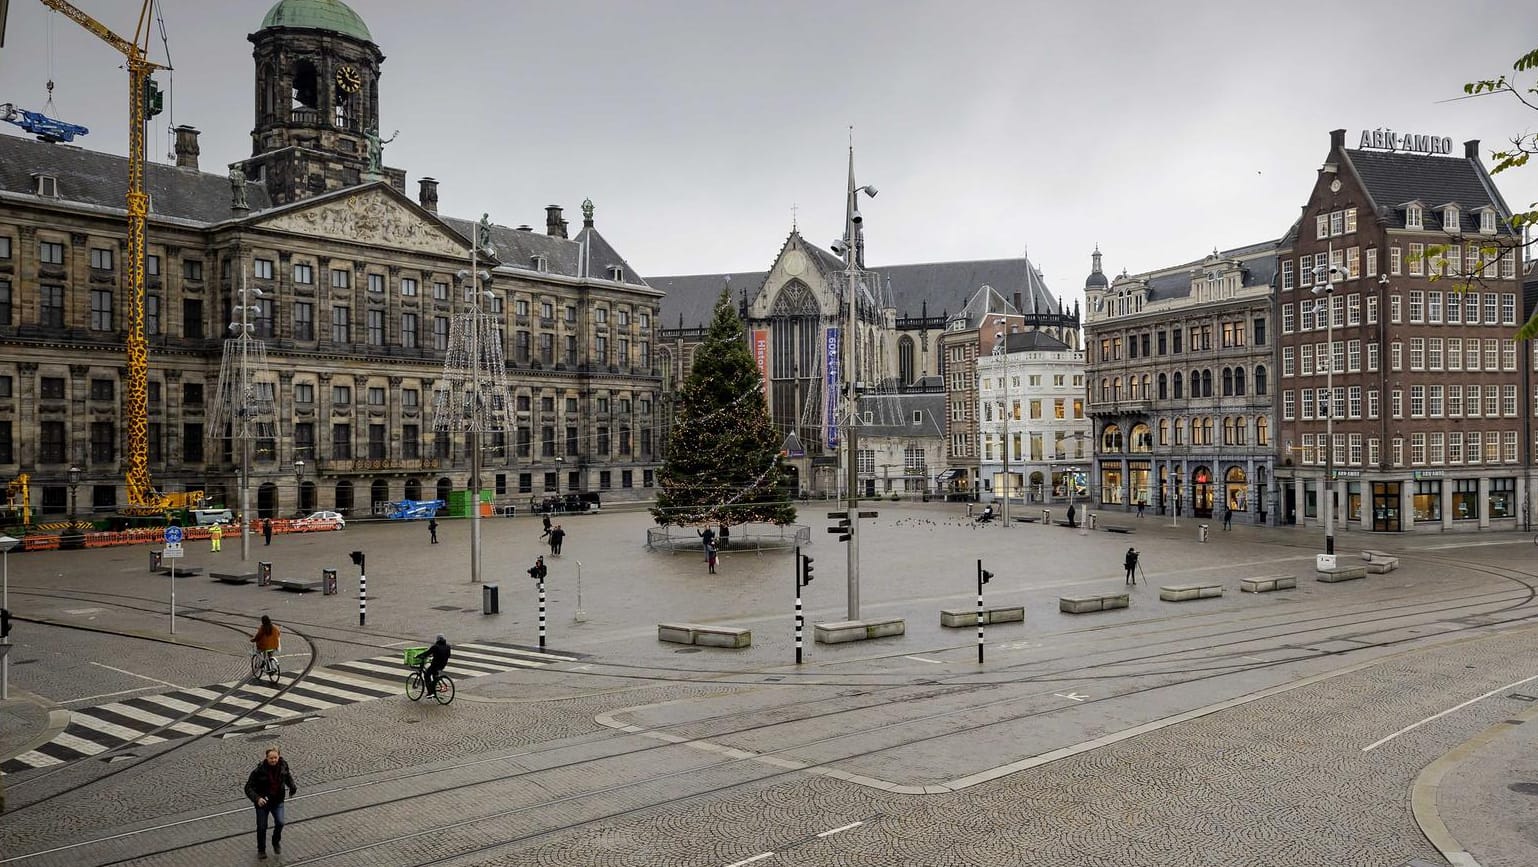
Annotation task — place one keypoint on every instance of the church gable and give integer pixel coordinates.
(370, 216)
(794, 286)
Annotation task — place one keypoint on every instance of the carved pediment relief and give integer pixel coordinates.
(370, 217)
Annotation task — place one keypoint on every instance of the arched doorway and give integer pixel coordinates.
(413, 489)
(307, 498)
(1236, 490)
(1038, 487)
(1201, 492)
(344, 497)
(267, 500)
(445, 487)
(378, 493)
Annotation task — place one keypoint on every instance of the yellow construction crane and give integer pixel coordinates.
(144, 102)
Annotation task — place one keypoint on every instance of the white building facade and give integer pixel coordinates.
(1031, 403)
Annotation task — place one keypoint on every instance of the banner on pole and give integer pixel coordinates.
(761, 357)
(830, 416)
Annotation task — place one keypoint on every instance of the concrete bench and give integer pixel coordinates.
(1268, 583)
(1342, 573)
(1382, 565)
(1110, 529)
(1093, 602)
(230, 578)
(1028, 520)
(181, 571)
(705, 635)
(968, 616)
(1370, 556)
(1182, 592)
(295, 585)
(841, 631)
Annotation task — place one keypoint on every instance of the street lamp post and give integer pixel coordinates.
(1328, 273)
(74, 482)
(299, 488)
(6, 544)
(1001, 357)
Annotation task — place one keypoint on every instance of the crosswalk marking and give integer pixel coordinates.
(95, 730)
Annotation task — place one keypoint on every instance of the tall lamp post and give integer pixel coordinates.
(1001, 357)
(74, 482)
(1327, 274)
(299, 488)
(7, 543)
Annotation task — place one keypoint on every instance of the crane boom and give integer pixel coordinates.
(142, 496)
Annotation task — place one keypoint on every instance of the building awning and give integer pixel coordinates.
(951, 473)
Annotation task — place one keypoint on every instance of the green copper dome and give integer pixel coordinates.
(331, 15)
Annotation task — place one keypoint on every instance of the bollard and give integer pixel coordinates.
(1092, 520)
(263, 573)
(1046, 516)
(155, 559)
(541, 614)
(328, 582)
(489, 599)
(1201, 533)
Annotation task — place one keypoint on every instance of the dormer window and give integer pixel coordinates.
(1412, 217)
(615, 273)
(1450, 219)
(540, 264)
(1487, 221)
(46, 185)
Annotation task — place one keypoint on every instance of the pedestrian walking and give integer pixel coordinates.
(1140, 505)
(1228, 518)
(1131, 563)
(1071, 514)
(267, 786)
(546, 534)
(557, 536)
(266, 531)
(538, 571)
(432, 530)
(710, 556)
(215, 536)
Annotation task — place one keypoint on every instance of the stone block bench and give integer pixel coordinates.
(1183, 592)
(1111, 529)
(230, 578)
(1028, 520)
(968, 616)
(1093, 602)
(705, 635)
(296, 585)
(1342, 573)
(1382, 565)
(181, 571)
(1370, 556)
(841, 631)
(1268, 583)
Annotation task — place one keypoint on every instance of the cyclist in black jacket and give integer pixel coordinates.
(439, 655)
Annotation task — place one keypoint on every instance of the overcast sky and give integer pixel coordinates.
(1158, 130)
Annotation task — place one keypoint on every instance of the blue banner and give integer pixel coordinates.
(830, 417)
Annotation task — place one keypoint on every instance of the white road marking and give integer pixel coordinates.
(837, 830)
(922, 659)
(1257, 659)
(751, 860)
(142, 677)
(1378, 743)
(105, 695)
(1071, 696)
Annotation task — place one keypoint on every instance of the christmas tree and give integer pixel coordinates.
(723, 458)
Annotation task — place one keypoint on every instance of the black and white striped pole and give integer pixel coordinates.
(803, 578)
(982, 578)
(542, 612)
(357, 557)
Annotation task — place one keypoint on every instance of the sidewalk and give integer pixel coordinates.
(1479, 803)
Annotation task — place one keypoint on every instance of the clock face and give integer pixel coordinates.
(348, 80)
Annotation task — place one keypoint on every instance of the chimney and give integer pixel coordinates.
(555, 226)
(1337, 139)
(187, 147)
(427, 194)
(1471, 149)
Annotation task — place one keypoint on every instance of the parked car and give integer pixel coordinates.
(316, 520)
(205, 517)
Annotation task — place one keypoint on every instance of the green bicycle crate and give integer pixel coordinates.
(412, 654)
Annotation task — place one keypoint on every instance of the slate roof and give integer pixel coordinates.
(946, 286)
(1033, 341)
(1393, 179)
(1258, 260)
(99, 179)
(892, 415)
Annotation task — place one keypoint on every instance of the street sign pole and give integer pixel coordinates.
(173, 552)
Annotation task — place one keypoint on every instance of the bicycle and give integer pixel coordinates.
(416, 686)
(266, 666)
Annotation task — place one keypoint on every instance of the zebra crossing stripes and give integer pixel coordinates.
(199, 710)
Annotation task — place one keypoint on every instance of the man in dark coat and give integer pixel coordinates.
(438, 659)
(546, 534)
(266, 787)
(557, 536)
(1071, 513)
(432, 530)
(266, 531)
(1130, 561)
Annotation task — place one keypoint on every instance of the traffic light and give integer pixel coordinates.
(357, 558)
(806, 570)
(5, 623)
(154, 100)
(987, 576)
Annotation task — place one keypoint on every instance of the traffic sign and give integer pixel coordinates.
(173, 536)
(172, 551)
(867, 514)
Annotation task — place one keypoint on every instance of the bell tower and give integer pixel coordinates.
(316, 118)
